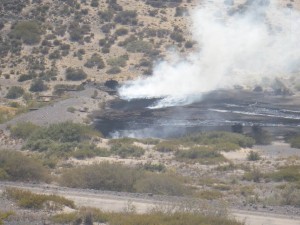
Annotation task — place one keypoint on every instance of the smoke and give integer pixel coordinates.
(238, 45)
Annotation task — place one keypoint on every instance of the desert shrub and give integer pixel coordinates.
(155, 217)
(55, 55)
(189, 44)
(139, 46)
(14, 6)
(106, 176)
(261, 136)
(22, 130)
(210, 194)
(64, 132)
(290, 195)
(153, 167)
(113, 84)
(253, 156)
(176, 36)
(121, 31)
(206, 155)
(106, 28)
(5, 216)
(86, 150)
(162, 184)
(61, 88)
(38, 86)
(222, 140)
(127, 150)
(181, 11)
(95, 3)
(254, 175)
(162, 3)
(95, 60)
(167, 146)
(28, 31)
(294, 141)
(106, 15)
(128, 17)
(118, 61)
(15, 92)
(75, 74)
(78, 31)
(25, 77)
(17, 167)
(29, 200)
(114, 70)
(287, 173)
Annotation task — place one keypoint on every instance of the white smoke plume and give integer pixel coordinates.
(241, 48)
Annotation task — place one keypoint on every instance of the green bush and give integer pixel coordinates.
(106, 176)
(25, 77)
(219, 139)
(22, 130)
(163, 3)
(106, 15)
(75, 74)
(38, 86)
(167, 146)
(287, 173)
(139, 46)
(15, 92)
(261, 136)
(17, 167)
(29, 200)
(253, 156)
(5, 216)
(206, 155)
(95, 60)
(121, 31)
(118, 61)
(150, 218)
(28, 31)
(114, 70)
(128, 17)
(161, 184)
(127, 150)
(64, 132)
(295, 141)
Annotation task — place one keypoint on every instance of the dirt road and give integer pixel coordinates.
(115, 201)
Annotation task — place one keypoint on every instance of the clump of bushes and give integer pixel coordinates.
(95, 60)
(253, 156)
(118, 61)
(261, 136)
(114, 70)
(294, 141)
(138, 46)
(286, 173)
(167, 146)
(117, 177)
(125, 150)
(38, 86)
(114, 177)
(15, 92)
(127, 17)
(29, 200)
(221, 140)
(61, 139)
(28, 31)
(75, 74)
(15, 166)
(205, 155)
(22, 130)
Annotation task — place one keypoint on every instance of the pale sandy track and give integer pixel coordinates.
(114, 201)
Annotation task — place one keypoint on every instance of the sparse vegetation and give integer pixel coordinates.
(15, 166)
(23, 130)
(15, 92)
(29, 200)
(28, 31)
(75, 74)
